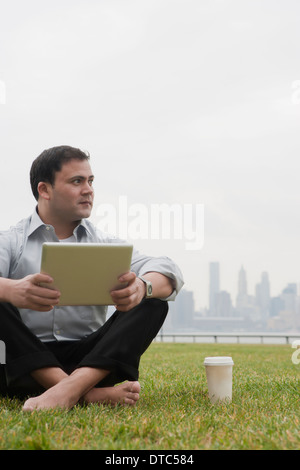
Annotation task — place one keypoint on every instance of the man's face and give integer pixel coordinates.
(72, 195)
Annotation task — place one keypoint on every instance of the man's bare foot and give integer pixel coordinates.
(126, 393)
(62, 395)
(58, 396)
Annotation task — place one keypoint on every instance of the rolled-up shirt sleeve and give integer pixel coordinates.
(5, 253)
(142, 264)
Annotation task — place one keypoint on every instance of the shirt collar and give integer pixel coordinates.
(83, 225)
(36, 222)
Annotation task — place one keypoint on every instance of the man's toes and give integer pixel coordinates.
(135, 387)
(28, 406)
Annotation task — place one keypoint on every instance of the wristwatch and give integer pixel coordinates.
(148, 285)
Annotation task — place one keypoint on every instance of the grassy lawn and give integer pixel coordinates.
(174, 412)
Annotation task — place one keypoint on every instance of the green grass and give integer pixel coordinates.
(174, 412)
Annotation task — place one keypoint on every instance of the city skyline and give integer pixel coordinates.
(242, 286)
(247, 312)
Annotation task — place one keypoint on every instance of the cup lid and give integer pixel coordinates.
(218, 361)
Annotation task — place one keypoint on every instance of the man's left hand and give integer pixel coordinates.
(131, 295)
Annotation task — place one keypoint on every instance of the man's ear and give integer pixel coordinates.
(44, 190)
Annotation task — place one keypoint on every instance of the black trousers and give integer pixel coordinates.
(117, 346)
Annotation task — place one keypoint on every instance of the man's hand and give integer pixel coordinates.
(131, 295)
(27, 293)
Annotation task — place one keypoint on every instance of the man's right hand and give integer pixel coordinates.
(27, 293)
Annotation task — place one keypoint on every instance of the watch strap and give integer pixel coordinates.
(148, 285)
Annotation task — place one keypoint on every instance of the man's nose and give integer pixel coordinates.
(87, 188)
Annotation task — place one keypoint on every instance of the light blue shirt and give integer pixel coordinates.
(20, 255)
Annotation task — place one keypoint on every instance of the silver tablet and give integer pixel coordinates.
(85, 273)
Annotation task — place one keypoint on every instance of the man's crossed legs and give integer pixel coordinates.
(67, 390)
(85, 371)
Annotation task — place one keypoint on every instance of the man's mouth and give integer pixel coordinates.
(86, 202)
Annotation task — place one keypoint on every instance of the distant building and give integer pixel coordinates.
(246, 305)
(263, 296)
(181, 312)
(223, 304)
(289, 298)
(242, 301)
(214, 286)
(276, 306)
(284, 310)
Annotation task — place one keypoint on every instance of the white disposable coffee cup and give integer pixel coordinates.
(219, 378)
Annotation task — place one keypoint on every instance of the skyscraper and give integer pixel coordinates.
(263, 295)
(289, 297)
(223, 304)
(242, 295)
(242, 283)
(214, 286)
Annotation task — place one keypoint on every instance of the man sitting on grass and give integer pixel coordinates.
(66, 355)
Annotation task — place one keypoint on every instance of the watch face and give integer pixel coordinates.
(149, 289)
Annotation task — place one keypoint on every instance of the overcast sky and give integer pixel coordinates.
(178, 102)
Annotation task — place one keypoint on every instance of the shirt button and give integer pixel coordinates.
(48, 227)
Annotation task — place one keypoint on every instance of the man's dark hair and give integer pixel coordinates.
(49, 162)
